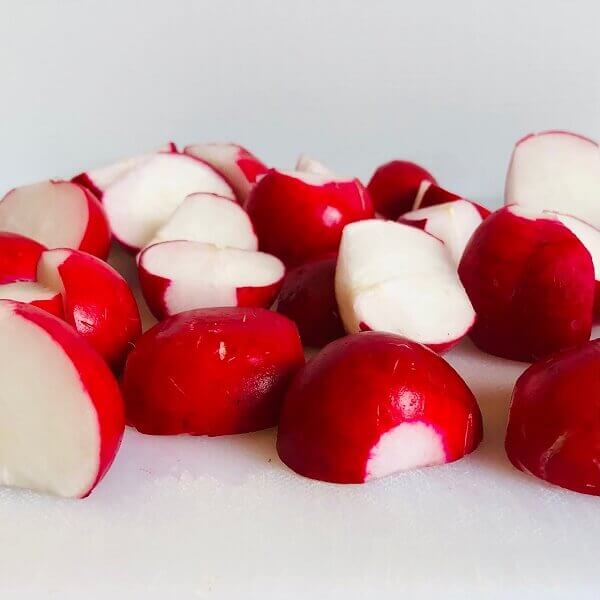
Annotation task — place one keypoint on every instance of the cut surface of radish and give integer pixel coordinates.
(61, 414)
(35, 294)
(142, 200)
(308, 164)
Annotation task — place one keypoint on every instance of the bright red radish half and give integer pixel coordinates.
(300, 216)
(554, 424)
(237, 165)
(180, 275)
(61, 413)
(531, 281)
(140, 202)
(57, 214)
(19, 257)
(373, 404)
(397, 278)
(213, 371)
(212, 219)
(452, 223)
(394, 186)
(556, 170)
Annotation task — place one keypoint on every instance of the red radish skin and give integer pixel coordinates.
(394, 186)
(531, 282)
(19, 256)
(97, 236)
(97, 386)
(300, 216)
(216, 371)
(554, 424)
(97, 301)
(308, 298)
(431, 194)
(410, 409)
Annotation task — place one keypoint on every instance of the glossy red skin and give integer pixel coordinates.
(96, 379)
(214, 371)
(297, 221)
(308, 298)
(19, 256)
(96, 239)
(100, 306)
(554, 424)
(376, 375)
(394, 186)
(531, 284)
(53, 305)
(435, 195)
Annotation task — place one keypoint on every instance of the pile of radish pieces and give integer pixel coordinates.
(244, 266)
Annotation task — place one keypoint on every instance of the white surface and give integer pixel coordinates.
(450, 84)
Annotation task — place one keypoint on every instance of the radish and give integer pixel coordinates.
(430, 194)
(531, 281)
(239, 167)
(61, 411)
(300, 216)
(57, 214)
(140, 202)
(374, 404)
(212, 371)
(35, 294)
(556, 170)
(212, 219)
(19, 256)
(554, 424)
(396, 278)
(97, 301)
(453, 223)
(394, 186)
(97, 180)
(308, 298)
(181, 275)
(306, 164)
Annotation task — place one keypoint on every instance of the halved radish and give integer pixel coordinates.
(212, 219)
(308, 164)
(374, 404)
(396, 278)
(97, 180)
(556, 170)
(57, 214)
(61, 414)
(143, 200)
(181, 275)
(19, 257)
(453, 223)
(35, 294)
(299, 216)
(237, 165)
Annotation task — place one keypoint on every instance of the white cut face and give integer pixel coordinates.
(410, 445)
(315, 178)
(307, 164)
(142, 200)
(47, 270)
(423, 187)
(210, 219)
(202, 275)
(26, 291)
(49, 436)
(396, 278)
(54, 214)
(556, 171)
(453, 223)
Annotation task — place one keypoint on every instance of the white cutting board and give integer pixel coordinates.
(184, 517)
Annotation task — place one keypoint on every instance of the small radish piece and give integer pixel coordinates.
(397, 278)
(394, 186)
(215, 371)
(531, 281)
(61, 415)
(430, 194)
(239, 167)
(306, 164)
(374, 404)
(181, 275)
(554, 424)
(212, 219)
(300, 216)
(556, 170)
(452, 223)
(97, 180)
(35, 294)
(143, 200)
(57, 214)
(19, 257)
(96, 299)
(308, 298)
